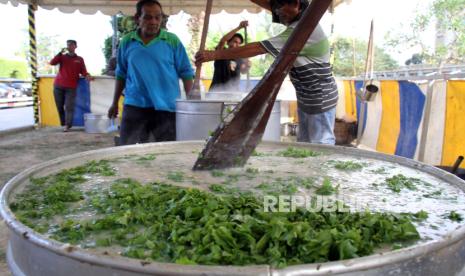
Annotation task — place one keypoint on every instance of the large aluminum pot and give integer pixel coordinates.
(196, 119)
(30, 253)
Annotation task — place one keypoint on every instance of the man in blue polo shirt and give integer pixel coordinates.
(150, 63)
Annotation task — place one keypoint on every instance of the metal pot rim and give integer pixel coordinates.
(344, 266)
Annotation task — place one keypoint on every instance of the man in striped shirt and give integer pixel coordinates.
(311, 74)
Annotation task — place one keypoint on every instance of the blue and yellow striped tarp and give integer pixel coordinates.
(48, 110)
(393, 121)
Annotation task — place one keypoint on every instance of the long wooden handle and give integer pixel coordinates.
(246, 41)
(198, 70)
(370, 55)
(234, 140)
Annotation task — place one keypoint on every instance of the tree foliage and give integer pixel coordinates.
(447, 17)
(126, 24)
(348, 50)
(8, 68)
(47, 48)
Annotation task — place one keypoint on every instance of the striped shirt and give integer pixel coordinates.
(311, 74)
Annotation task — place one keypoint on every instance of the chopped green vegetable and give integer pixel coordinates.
(147, 157)
(434, 194)
(454, 216)
(166, 223)
(326, 188)
(217, 173)
(176, 176)
(251, 171)
(381, 170)
(258, 154)
(222, 189)
(346, 165)
(48, 196)
(231, 178)
(298, 153)
(421, 215)
(288, 186)
(398, 182)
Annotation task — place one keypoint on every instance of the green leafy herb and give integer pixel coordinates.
(347, 165)
(454, 216)
(48, 196)
(326, 188)
(421, 215)
(288, 186)
(251, 171)
(217, 173)
(298, 153)
(434, 194)
(399, 182)
(231, 178)
(258, 154)
(381, 170)
(147, 157)
(176, 176)
(217, 188)
(166, 223)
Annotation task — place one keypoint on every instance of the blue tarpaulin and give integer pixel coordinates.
(82, 105)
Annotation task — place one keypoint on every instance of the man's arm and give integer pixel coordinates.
(262, 3)
(249, 50)
(119, 87)
(245, 66)
(229, 35)
(84, 72)
(188, 83)
(56, 59)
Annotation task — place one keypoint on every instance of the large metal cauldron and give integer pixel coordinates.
(196, 119)
(30, 253)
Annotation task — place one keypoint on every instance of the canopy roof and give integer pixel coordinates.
(111, 7)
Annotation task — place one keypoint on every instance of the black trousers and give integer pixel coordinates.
(65, 99)
(143, 125)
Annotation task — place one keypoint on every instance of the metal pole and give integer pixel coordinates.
(368, 75)
(114, 39)
(33, 62)
(353, 57)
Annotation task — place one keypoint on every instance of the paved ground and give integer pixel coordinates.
(16, 117)
(23, 149)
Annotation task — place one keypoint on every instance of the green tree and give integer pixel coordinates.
(347, 50)
(447, 17)
(47, 48)
(8, 67)
(126, 24)
(415, 59)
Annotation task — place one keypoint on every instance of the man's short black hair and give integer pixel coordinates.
(72, 41)
(279, 3)
(282, 2)
(142, 3)
(238, 35)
